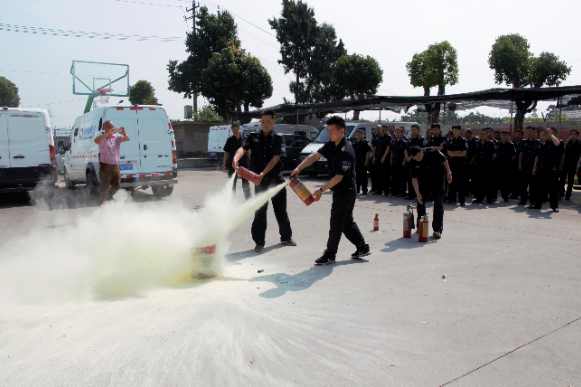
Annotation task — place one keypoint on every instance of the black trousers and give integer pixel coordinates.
(567, 178)
(505, 183)
(546, 184)
(485, 185)
(259, 224)
(458, 185)
(399, 178)
(515, 180)
(528, 185)
(361, 174)
(245, 183)
(371, 170)
(433, 191)
(470, 182)
(382, 176)
(342, 222)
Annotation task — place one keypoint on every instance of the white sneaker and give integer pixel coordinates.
(437, 235)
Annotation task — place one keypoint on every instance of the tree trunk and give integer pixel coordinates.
(356, 114)
(435, 113)
(522, 108)
(246, 107)
(427, 106)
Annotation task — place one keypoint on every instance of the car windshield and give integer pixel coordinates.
(323, 136)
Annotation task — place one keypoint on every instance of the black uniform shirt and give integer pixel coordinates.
(517, 148)
(382, 144)
(471, 146)
(430, 169)
(263, 150)
(232, 145)
(504, 153)
(572, 154)
(361, 148)
(341, 159)
(485, 153)
(549, 156)
(528, 149)
(455, 145)
(436, 141)
(419, 141)
(398, 148)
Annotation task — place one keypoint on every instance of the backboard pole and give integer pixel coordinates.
(89, 104)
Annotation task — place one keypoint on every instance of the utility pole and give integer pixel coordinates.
(193, 17)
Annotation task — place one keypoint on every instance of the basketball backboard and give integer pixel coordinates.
(89, 77)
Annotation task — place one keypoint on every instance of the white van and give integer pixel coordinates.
(219, 134)
(321, 166)
(27, 155)
(148, 160)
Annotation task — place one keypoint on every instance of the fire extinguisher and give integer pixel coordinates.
(301, 191)
(248, 175)
(423, 229)
(408, 221)
(376, 223)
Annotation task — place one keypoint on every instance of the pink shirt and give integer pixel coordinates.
(110, 148)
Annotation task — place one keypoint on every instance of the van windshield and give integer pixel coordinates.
(323, 135)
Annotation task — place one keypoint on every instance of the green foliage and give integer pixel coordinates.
(452, 118)
(547, 70)
(310, 51)
(510, 59)
(436, 66)
(534, 117)
(142, 93)
(213, 34)
(206, 113)
(8, 93)
(358, 75)
(234, 78)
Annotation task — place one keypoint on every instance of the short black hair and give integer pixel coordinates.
(268, 112)
(504, 132)
(574, 130)
(435, 126)
(415, 126)
(530, 127)
(497, 131)
(337, 121)
(415, 149)
(518, 131)
(235, 125)
(384, 127)
(456, 127)
(469, 131)
(488, 129)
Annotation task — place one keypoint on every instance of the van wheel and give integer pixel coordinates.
(92, 184)
(161, 191)
(68, 182)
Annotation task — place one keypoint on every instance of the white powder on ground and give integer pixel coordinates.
(121, 249)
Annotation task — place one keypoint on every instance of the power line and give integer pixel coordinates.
(82, 34)
(155, 4)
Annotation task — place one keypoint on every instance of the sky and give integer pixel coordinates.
(389, 31)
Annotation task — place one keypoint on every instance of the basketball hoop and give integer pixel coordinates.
(104, 94)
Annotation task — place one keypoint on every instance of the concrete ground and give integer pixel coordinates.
(495, 302)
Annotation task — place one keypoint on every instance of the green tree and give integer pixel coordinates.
(8, 93)
(206, 113)
(515, 65)
(142, 93)
(436, 66)
(358, 75)
(310, 51)
(234, 79)
(213, 34)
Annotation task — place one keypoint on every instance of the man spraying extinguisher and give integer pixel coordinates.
(341, 158)
(429, 170)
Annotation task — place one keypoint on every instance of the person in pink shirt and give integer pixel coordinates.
(109, 147)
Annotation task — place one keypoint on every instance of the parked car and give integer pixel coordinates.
(293, 145)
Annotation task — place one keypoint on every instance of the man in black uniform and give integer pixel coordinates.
(415, 139)
(572, 154)
(457, 148)
(545, 169)
(527, 153)
(381, 162)
(471, 140)
(341, 158)
(515, 190)
(374, 142)
(267, 147)
(436, 140)
(398, 164)
(483, 161)
(505, 156)
(428, 170)
(560, 161)
(362, 150)
(232, 144)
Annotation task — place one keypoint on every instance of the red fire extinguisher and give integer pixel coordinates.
(423, 229)
(376, 223)
(408, 221)
(301, 191)
(248, 175)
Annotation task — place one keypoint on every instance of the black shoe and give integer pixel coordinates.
(521, 203)
(437, 234)
(490, 203)
(533, 207)
(361, 252)
(258, 248)
(514, 197)
(567, 198)
(289, 242)
(408, 197)
(555, 209)
(325, 260)
(505, 200)
(378, 193)
(462, 204)
(477, 202)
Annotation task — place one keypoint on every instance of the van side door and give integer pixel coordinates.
(4, 150)
(28, 140)
(155, 140)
